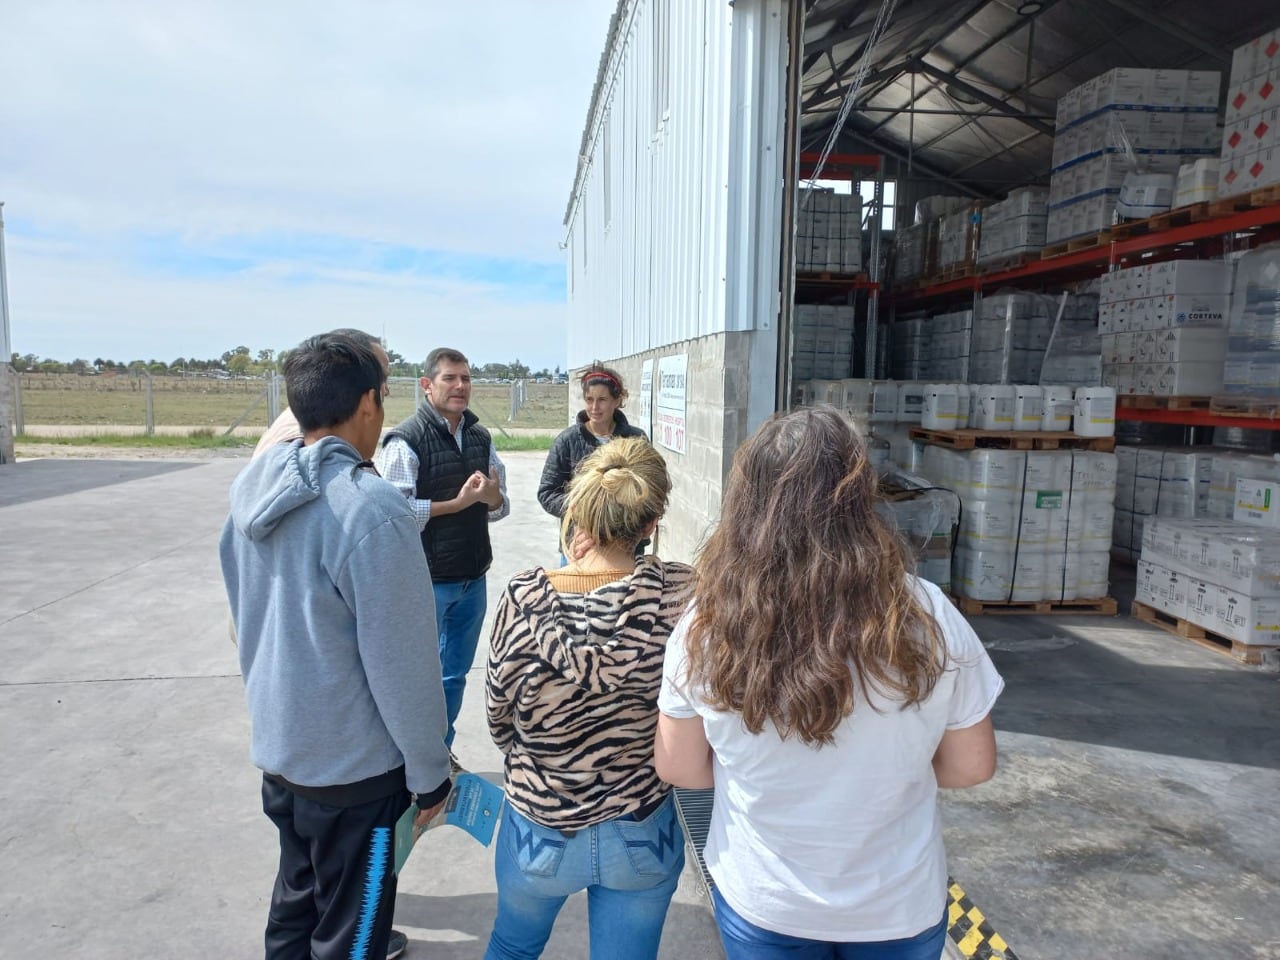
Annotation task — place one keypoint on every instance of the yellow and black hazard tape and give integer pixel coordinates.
(969, 929)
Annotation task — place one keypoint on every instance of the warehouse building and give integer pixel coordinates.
(1026, 239)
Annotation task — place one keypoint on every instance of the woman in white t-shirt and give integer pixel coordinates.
(826, 694)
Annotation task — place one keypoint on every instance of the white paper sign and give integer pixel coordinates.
(670, 426)
(644, 415)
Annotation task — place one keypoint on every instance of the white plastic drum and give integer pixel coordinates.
(995, 407)
(988, 524)
(1095, 412)
(941, 407)
(966, 398)
(1028, 407)
(1059, 404)
(983, 574)
(1029, 576)
(910, 401)
(884, 401)
(993, 474)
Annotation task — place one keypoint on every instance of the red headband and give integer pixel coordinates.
(600, 375)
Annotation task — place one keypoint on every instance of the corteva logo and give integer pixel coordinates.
(1201, 316)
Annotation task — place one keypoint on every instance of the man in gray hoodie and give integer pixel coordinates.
(324, 570)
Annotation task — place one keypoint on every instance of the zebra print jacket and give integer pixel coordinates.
(572, 691)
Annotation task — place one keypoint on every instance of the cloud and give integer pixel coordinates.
(291, 159)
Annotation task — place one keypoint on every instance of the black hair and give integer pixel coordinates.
(359, 336)
(326, 375)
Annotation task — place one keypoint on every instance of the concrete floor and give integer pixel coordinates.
(1134, 814)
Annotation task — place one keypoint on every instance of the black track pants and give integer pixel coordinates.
(336, 887)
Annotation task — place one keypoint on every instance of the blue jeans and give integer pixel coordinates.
(629, 869)
(459, 616)
(743, 940)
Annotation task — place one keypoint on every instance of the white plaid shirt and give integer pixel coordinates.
(398, 464)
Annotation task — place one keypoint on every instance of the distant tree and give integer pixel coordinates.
(239, 364)
(240, 351)
(519, 371)
(266, 358)
(178, 365)
(78, 366)
(49, 365)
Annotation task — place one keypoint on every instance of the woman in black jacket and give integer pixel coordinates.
(600, 421)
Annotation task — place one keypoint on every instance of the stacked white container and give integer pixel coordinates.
(1034, 526)
(1163, 328)
(1167, 118)
(1014, 226)
(1252, 367)
(1217, 574)
(1251, 135)
(829, 232)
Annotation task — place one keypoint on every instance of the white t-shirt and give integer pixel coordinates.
(842, 843)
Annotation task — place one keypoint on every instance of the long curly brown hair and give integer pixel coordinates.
(803, 601)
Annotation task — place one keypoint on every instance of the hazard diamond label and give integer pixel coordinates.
(1239, 100)
(1261, 129)
(1266, 90)
(1256, 169)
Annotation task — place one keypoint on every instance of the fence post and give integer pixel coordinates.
(151, 409)
(273, 397)
(19, 418)
(417, 392)
(7, 395)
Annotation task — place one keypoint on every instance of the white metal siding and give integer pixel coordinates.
(686, 244)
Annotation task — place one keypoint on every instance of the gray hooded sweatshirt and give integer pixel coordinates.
(333, 606)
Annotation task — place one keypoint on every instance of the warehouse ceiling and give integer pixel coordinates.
(966, 89)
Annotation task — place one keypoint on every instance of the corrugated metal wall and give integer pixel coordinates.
(649, 227)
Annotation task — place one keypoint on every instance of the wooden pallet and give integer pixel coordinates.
(957, 272)
(1087, 242)
(1245, 201)
(1247, 653)
(1001, 264)
(1178, 217)
(1101, 606)
(1164, 403)
(1012, 440)
(1245, 407)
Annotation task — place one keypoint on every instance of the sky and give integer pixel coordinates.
(183, 178)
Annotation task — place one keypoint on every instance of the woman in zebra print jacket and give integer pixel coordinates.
(574, 669)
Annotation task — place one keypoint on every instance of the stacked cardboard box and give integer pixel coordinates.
(1014, 226)
(829, 232)
(1156, 119)
(1221, 575)
(1251, 135)
(1035, 525)
(823, 344)
(1162, 327)
(1158, 481)
(1252, 367)
(958, 236)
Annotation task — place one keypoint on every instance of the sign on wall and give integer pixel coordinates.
(671, 425)
(644, 415)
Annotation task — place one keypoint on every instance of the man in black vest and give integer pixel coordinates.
(443, 461)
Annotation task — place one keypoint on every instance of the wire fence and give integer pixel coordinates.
(72, 404)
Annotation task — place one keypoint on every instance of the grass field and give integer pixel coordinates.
(70, 400)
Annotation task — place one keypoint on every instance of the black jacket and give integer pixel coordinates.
(457, 545)
(574, 445)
